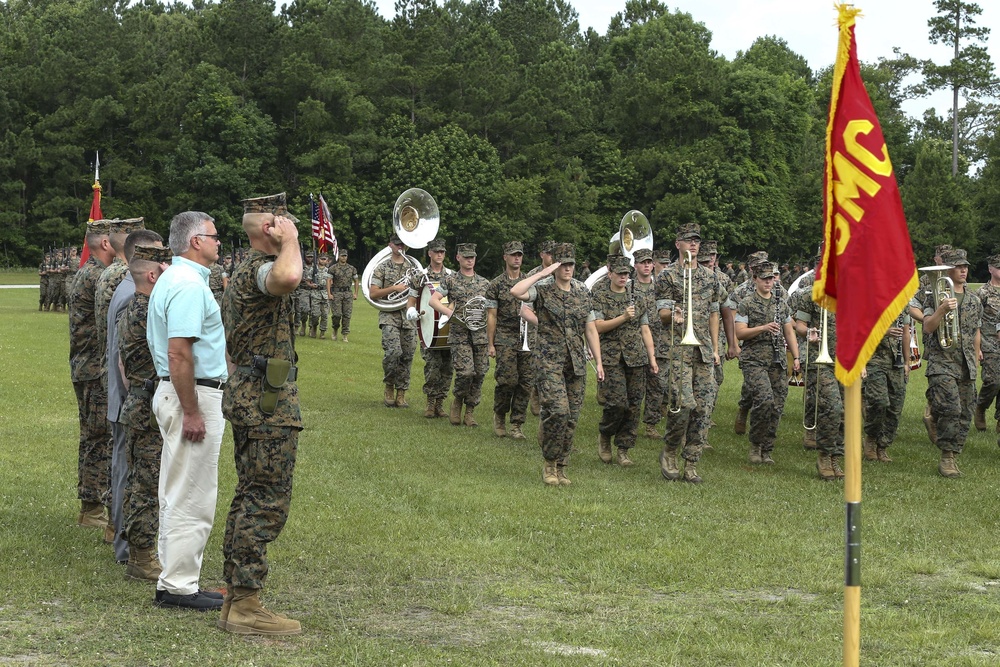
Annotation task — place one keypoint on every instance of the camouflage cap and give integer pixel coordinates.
(309, 254)
(133, 224)
(954, 257)
(612, 257)
(994, 261)
(273, 204)
(564, 253)
(689, 230)
(765, 269)
(466, 249)
(709, 248)
(546, 246)
(620, 265)
(941, 249)
(642, 254)
(756, 258)
(513, 248)
(437, 244)
(394, 239)
(152, 253)
(99, 227)
(663, 255)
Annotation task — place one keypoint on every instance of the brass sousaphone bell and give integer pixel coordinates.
(634, 233)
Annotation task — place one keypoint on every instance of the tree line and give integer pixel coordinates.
(519, 124)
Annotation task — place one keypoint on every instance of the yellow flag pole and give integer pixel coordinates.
(852, 498)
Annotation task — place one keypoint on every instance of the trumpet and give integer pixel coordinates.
(823, 358)
(689, 338)
(942, 287)
(524, 336)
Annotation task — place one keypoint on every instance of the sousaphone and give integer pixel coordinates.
(415, 220)
(634, 233)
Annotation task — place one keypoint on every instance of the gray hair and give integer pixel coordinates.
(184, 226)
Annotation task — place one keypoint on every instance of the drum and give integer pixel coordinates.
(431, 335)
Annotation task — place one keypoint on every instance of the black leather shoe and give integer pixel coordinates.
(196, 601)
(215, 595)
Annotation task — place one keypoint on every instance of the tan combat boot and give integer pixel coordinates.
(109, 530)
(92, 515)
(765, 457)
(536, 407)
(979, 418)
(809, 439)
(561, 474)
(755, 456)
(302, 329)
(883, 455)
(948, 467)
(142, 565)
(333, 336)
(651, 432)
(838, 470)
(312, 332)
(439, 408)
(691, 473)
(930, 425)
(227, 602)
(469, 419)
(455, 417)
(740, 427)
(870, 449)
(322, 335)
(431, 404)
(824, 466)
(515, 432)
(499, 426)
(604, 447)
(247, 616)
(390, 396)
(345, 338)
(549, 475)
(623, 459)
(668, 464)
(401, 399)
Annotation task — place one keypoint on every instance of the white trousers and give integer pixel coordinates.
(189, 484)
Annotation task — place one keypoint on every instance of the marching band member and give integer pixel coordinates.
(467, 334)
(621, 316)
(565, 318)
(692, 389)
(883, 389)
(437, 360)
(989, 296)
(764, 325)
(399, 333)
(507, 334)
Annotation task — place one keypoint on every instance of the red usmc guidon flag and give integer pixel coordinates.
(866, 273)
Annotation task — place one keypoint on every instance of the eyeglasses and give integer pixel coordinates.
(214, 237)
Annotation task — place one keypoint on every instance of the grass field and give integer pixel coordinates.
(412, 542)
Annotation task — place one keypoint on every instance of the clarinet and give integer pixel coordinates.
(897, 346)
(777, 342)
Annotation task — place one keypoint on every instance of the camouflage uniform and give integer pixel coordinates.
(829, 424)
(399, 335)
(560, 362)
(515, 370)
(43, 283)
(437, 361)
(736, 295)
(143, 442)
(302, 298)
(989, 297)
(623, 355)
(110, 278)
(951, 373)
(692, 371)
(261, 325)
(469, 349)
(319, 307)
(655, 382)
(72, 266)
(763, 362)
(94, 464)
(216, 282)
(884, 389)
(343, 278)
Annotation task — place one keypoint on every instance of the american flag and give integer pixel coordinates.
(322, 227)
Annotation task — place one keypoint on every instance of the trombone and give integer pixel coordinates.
(822, 359)
(689, 338)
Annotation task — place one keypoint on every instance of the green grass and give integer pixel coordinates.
(412, 542)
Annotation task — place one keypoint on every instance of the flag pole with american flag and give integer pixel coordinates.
(866, 274)
(322, 226)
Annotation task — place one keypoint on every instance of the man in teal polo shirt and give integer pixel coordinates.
(188, 344)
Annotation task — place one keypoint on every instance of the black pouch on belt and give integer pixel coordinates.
(275, 374)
